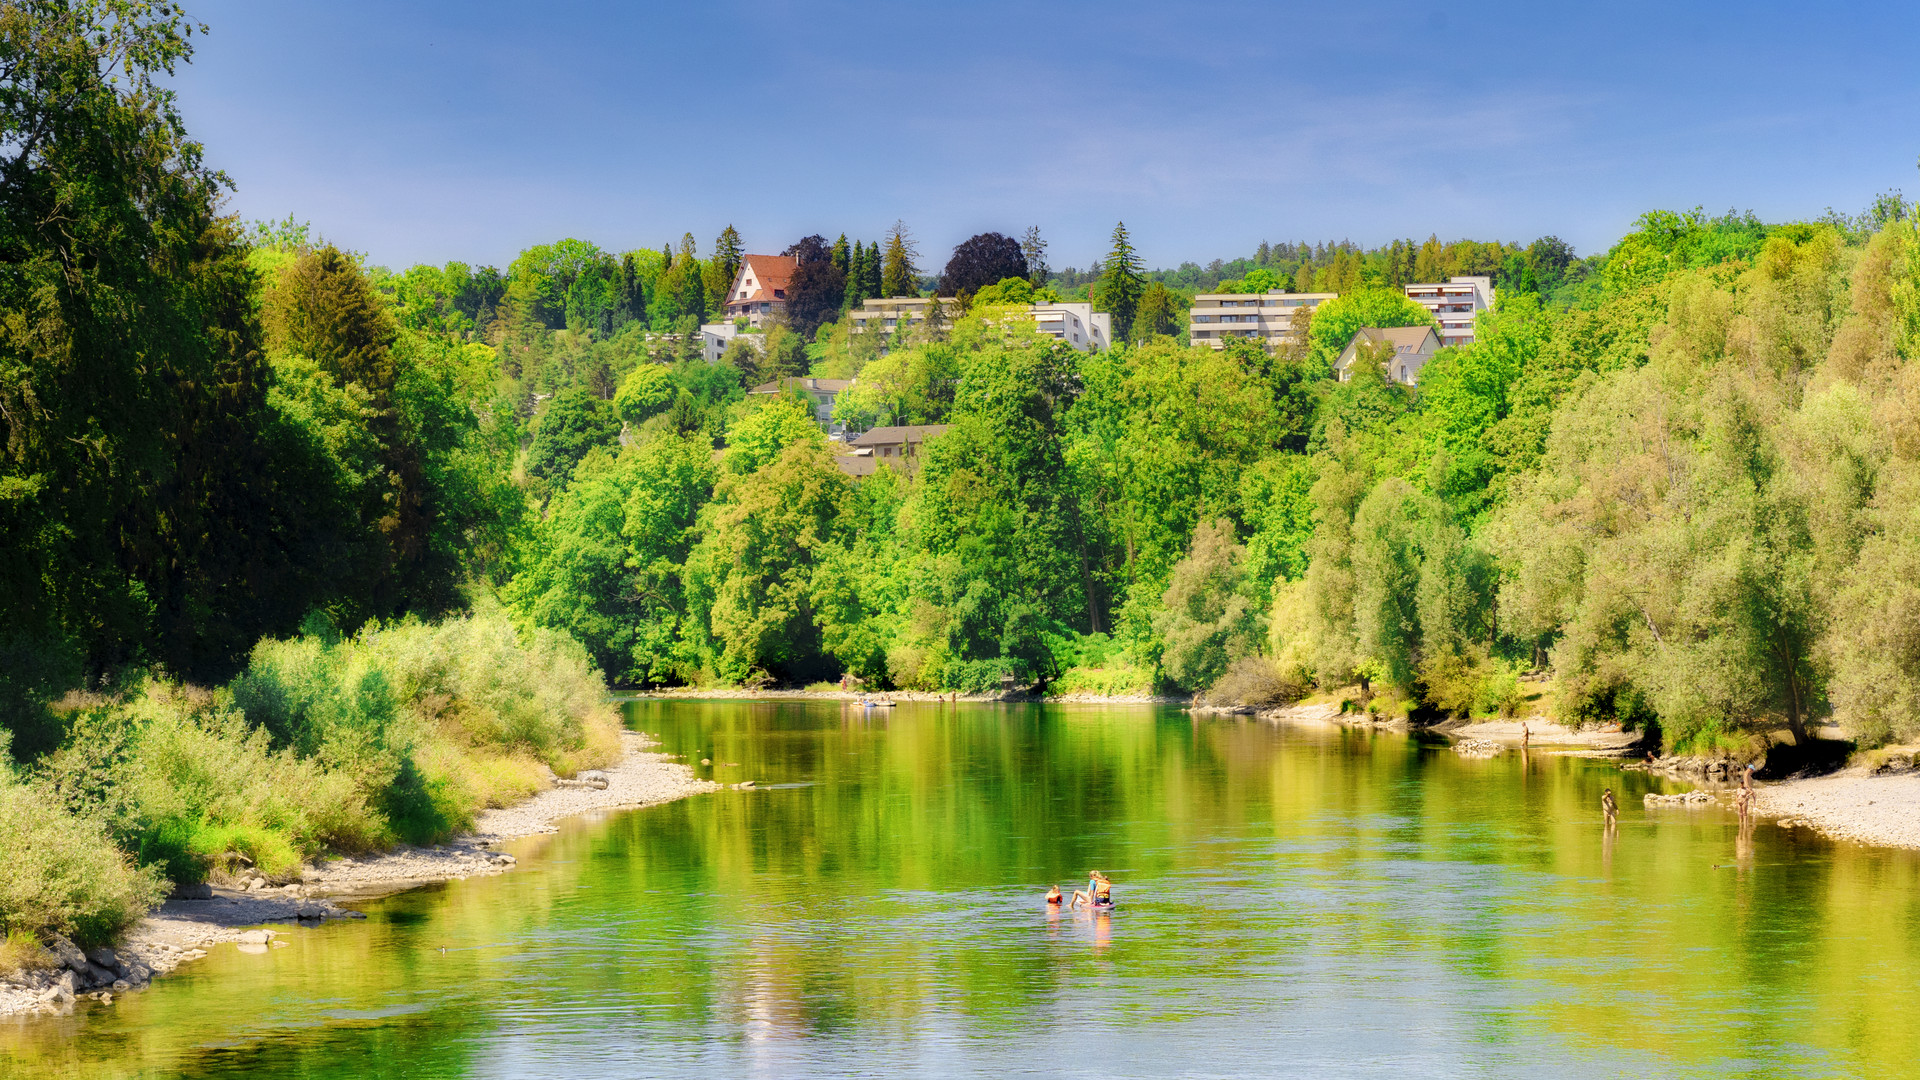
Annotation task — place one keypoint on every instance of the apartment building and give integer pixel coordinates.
(715, 337)
(1412, 347)
(1263, 317)
(1078, 325)
(760, 288)
(1454, 304)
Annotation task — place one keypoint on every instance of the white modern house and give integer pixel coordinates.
(1078, 325)
(1264, 317)
(715, 337)
(1454, 304)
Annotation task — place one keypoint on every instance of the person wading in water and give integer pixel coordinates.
(1609, 807)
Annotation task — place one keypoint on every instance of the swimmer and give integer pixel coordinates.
(1054, 896)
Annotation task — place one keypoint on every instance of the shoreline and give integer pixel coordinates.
(737, 693)
(182, 929)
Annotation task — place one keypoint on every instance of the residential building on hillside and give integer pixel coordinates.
(822, 391)
(898, 447)
(1076, 324)
(1263, 317)
(1454, 303)
(760, 288)
(1412, 346)
(715, 337)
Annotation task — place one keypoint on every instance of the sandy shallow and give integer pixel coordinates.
(1849, 805)
(182, 930)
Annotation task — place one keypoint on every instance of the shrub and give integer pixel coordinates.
(63, 873)
(1256, 682)
(1121, 680)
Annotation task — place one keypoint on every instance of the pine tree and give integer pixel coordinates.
(723, 268)
(1035, 249)
(633, 289)
(899, 276)
(1121, 283)
(872, 287)
(1263, 256)
(856, 276)
(693, 286)
(842, 261)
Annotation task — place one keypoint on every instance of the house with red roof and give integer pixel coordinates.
(760, 288)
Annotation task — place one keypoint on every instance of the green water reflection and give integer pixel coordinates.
(1294, 902)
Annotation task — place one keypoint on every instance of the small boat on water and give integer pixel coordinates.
(881, 704)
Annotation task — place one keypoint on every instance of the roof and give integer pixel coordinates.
(770, 272)
(825, 386)
(1401, 337)
(888, 436)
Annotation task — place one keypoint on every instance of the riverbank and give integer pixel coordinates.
(741, 693)
(1853, 804)
(183, 928)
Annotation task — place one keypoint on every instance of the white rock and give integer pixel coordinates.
(256, 937)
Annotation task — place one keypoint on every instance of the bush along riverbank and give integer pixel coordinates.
(322, 746)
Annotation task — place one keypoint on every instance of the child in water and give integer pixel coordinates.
(1053, 896)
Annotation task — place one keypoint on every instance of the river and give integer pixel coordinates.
(1293, 901)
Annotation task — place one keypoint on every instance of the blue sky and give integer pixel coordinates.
(424, 132)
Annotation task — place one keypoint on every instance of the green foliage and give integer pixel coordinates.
(646, 392)
(63, 873)
(1013, 290)
(574, 423)
(761, 434)
(1209, 616)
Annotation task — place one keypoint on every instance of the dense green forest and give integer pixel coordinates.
(277, 520)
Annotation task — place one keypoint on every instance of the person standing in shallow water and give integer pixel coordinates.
(1610, 807)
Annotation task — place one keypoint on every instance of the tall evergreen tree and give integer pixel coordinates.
(856, 276)
(1035, 250)
(874, 286)
(1121, 283)
(633, 287)
(723, 267)
(842, 258)
(899, 276)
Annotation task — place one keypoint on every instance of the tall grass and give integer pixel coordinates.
(400, 733)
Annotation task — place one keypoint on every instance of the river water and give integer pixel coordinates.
(1293, 901)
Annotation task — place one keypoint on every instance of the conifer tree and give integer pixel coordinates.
(692, 283)
(1035, 249)
(842, 260)
(723, 267)
(1121, 283)
(856, 276)
(873, 287)
(899, 276)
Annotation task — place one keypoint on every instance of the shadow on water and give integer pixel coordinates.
(1293, 902)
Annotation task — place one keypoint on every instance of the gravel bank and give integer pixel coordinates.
(182, 929)
(1849, 805)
